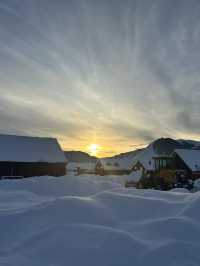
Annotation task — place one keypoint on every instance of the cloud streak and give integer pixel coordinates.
(115, 72)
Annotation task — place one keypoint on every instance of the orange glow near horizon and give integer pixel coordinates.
(93, 149)
(98, 146)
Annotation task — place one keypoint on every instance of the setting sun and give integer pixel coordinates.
(93, 149)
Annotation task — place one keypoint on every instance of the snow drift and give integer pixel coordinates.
(92, 220)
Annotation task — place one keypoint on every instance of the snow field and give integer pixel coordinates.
(90, 220)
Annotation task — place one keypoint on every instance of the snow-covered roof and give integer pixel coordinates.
(190, 157)
(145, 157)
(30, 149)
(114, 164)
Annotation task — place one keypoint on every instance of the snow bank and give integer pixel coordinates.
(180, 190)
(90, 220)
(68, 185)
(197, 184)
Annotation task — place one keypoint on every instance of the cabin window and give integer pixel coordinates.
(163, 163)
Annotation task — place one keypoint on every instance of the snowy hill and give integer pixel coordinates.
(162, 146)
(167, 145)
(95, 221)
(157, 147)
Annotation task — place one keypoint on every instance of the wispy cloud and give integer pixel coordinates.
(109, 71)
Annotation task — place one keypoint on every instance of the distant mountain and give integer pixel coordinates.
(79, 157)
(161, 146)
(126, 154)
(168, 145)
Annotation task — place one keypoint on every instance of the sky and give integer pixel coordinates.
(117, 74)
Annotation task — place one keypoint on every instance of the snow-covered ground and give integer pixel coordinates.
(94, 221)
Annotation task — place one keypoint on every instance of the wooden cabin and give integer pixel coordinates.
(180, 160)
(30, 156)
(188, 160)
(146, 166)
